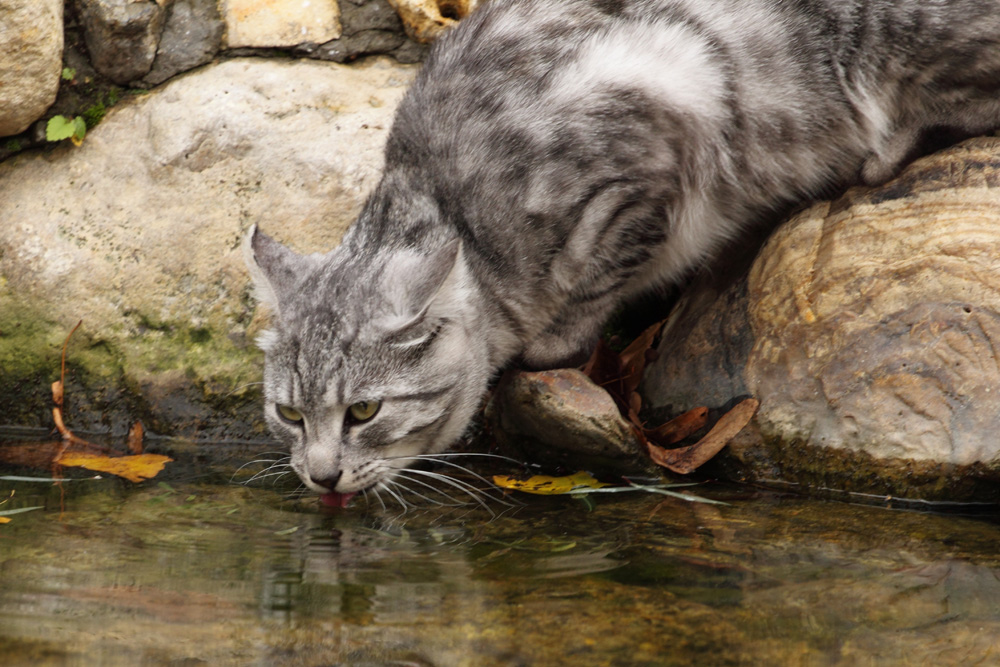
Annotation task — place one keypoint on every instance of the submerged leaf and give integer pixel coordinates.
(545, 485)
(134, 468)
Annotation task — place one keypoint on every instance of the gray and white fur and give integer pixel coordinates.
(555, 158)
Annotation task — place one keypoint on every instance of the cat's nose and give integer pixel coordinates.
(329, 483)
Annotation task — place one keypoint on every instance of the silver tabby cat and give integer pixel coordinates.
(554, 158)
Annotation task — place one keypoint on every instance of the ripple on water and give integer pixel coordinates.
(111, 573)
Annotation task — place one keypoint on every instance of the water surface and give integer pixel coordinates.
(192, 569)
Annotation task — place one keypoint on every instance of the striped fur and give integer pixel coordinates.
(555, 158)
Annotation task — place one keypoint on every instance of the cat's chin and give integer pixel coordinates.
(335, 499)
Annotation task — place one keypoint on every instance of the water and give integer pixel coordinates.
(194, 570)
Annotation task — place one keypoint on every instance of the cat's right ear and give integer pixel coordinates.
(273, 268)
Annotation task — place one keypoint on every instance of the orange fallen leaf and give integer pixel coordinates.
(678, 428)
(135, 468)
(633, 357)
(685, 460)
(135, 434)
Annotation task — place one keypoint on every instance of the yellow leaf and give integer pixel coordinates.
(133, 468)
(544, 485)
(4, 519)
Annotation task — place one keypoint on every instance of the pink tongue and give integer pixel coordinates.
(335, 499)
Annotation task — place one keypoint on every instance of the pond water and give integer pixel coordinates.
(192, 568)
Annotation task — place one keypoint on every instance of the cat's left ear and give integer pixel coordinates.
(274, 268)
(417, 287)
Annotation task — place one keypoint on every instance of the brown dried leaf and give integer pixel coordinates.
(678, 428)
(634, 406)
(686, 460)
(60, 426)
(57, 393)
(604, 366)
(134, 442)
(633, 358)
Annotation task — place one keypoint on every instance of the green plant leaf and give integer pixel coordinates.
(59, 128)
(79, 130)
(68, 73)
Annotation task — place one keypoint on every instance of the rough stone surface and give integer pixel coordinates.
(122, 35)
(191, 37)
(877, 316)
(270, 23)
(425, 20)
(368, 26)
(31, 43)
(868, 329)
(138, 232)
(561, 417)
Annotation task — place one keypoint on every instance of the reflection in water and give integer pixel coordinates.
(183, 573)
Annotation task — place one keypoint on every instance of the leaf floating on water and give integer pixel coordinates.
(549, 486)
(685, 460)
(135, 468)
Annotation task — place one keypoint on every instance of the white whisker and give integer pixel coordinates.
(453, 503)
(385, 486)
(468, 489)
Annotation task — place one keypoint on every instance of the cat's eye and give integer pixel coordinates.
(289, 414)
(362, 411)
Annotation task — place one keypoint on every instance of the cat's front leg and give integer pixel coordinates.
(884, 161)
(567, 342)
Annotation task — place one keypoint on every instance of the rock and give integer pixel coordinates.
(868, 328)
(424, 20)
(122, 35)
(561, 418)
(368, 27)
(138, 233)
(277, 23)
(191, 37)
(31, 43)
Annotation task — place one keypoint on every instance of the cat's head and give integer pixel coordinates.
(373, 357)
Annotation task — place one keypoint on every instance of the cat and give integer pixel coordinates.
(554, 159)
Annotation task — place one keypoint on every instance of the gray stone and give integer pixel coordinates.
(122, 35)
(366, 42)
(192, 36)
(360, 15)
(561, 418)
(368, 27)
(31, 43)
(868, 328)
(138, 231)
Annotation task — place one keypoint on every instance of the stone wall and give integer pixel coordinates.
(135, 226)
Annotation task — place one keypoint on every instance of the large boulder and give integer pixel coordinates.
(31, 44)
(137, 232)
(868, 327)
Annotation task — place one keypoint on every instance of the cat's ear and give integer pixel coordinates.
(273, 267)
(418, 286)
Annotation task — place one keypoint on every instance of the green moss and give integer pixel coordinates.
(94, 114)
(181, 379)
